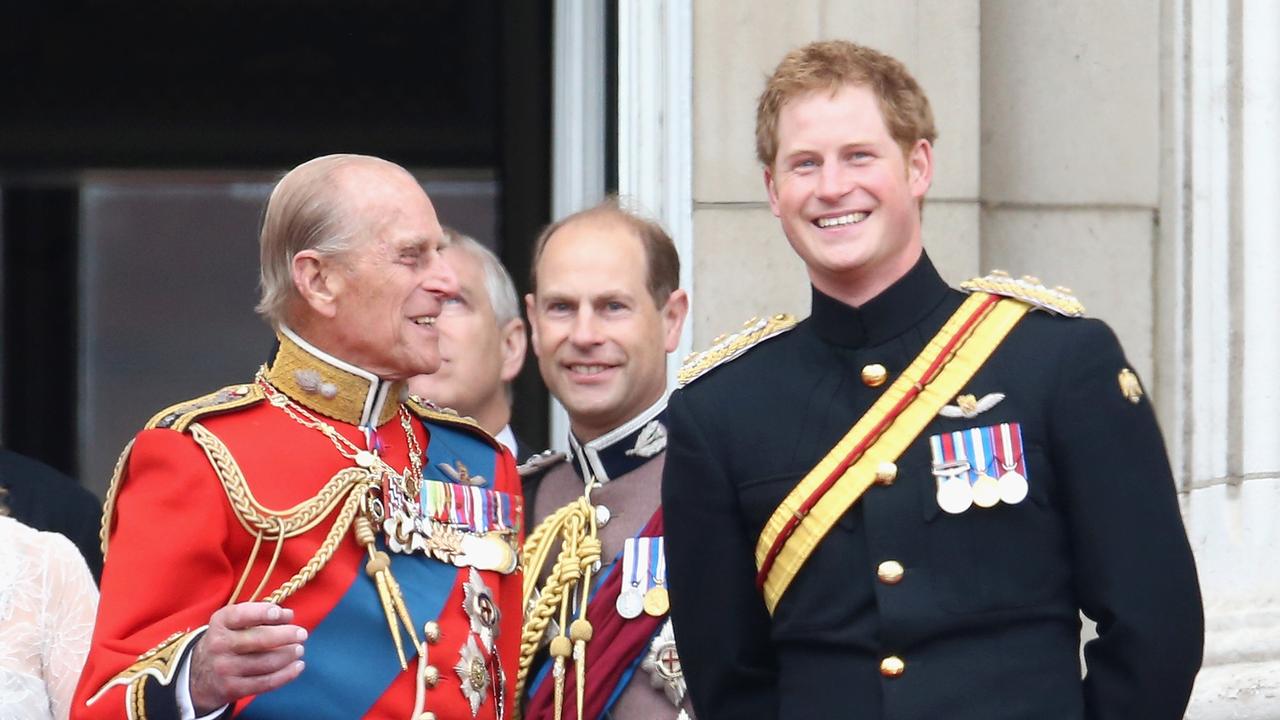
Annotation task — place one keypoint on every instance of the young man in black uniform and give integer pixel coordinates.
(898, 507)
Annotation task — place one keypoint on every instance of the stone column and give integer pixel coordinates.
(1223, 263)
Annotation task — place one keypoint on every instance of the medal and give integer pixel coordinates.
(954, 494)
(481, 610)
(986, 491)
(630, 603)
(656, 601)
(1013, 488)
(1008, 447)
(635, 577)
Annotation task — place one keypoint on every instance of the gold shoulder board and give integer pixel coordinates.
(1057, 300)
(427, 410)
(727, 347)
(179, 417)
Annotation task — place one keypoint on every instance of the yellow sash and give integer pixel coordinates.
(881, 435)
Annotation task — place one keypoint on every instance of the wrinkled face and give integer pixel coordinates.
(471, 349)
(847, 197)
(387, 289)
(600, 339)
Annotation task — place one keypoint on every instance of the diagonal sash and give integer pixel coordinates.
(881, 435)
(615, 644)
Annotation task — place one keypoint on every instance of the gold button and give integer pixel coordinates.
(431, 675)
(892, 666)
(886, 473)
(874, 375)
(890, 572)
(431, 630)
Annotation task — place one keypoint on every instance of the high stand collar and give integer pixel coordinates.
(886, 316)
(332, 387)
(623, 448)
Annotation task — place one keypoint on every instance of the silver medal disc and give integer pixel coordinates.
(1013, 488)
(954, 494)
(630, 603)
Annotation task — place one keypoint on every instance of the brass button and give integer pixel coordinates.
(890, 572)
(892, 666)
(886, 473)
(431, 631)
(431, 675)
(874, 375)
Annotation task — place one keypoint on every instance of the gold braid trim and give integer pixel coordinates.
(322, 557)
(348, 486)
(578, 553)
(113, 491)
(160, 663)
(1028, 289)
(254, 516)
(727, 347)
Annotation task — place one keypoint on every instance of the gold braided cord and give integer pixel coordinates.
(113, 491)
(325, 553)
(248, 566)
(254, 516)
(271, 566)
(573, 526)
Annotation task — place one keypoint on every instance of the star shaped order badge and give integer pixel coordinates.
(663, 665)
(477, 600)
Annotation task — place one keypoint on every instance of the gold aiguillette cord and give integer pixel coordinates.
(393, 605)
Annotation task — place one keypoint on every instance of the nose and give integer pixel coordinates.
(834, 182)
(586, 327)
(439, 277)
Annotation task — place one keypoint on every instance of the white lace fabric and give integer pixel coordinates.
(47, 606)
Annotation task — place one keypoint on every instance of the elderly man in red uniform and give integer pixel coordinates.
(312, 544)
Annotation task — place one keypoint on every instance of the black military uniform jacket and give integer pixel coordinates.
(984, 617)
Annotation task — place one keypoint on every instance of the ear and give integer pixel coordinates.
(530, 311)
(772, 189)
(316, 282)
(920, 168)
(513, 344)
(673, 315)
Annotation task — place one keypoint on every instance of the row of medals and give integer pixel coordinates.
(408, 531)
(956, 494)
(653, 602)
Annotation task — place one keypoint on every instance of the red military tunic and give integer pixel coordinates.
(188, 507)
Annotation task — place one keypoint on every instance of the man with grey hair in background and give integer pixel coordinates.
(315, 507)
(482, 341)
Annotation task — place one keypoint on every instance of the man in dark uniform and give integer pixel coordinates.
(606, 309)
(309, 544)
(898, 507)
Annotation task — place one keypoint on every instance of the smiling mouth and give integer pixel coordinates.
(849, 219)
(423, 320)
(582, 369)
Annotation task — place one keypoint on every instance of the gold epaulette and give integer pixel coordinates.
(1057, 300)
(727, 347)
(540, 462)
(179, 417)
(427, 410)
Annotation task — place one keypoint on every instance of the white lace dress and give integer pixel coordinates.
(47, 605)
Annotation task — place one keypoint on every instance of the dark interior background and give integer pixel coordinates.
(173, 117)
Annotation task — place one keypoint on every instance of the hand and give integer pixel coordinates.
(249, 648)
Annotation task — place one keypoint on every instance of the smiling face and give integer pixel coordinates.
(478, 357)
(847, 197)
(600, 339)
(377, 302)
